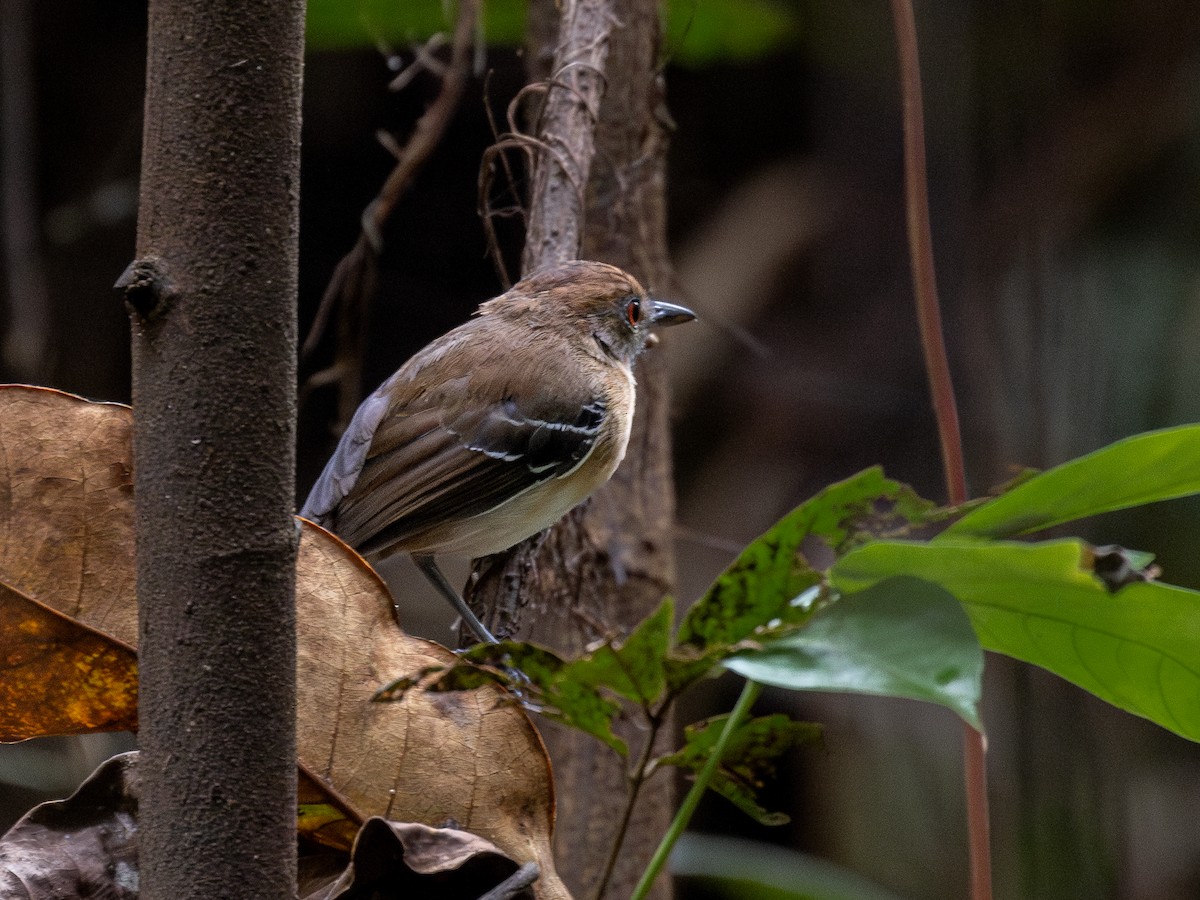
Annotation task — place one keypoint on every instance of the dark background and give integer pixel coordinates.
(1065, 189)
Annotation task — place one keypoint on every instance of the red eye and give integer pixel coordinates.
(633, 311)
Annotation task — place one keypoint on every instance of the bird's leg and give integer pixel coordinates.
(429, 567)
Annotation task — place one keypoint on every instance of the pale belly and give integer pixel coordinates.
(528, 513)
(506, 525)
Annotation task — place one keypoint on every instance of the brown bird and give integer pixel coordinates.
(495, 430)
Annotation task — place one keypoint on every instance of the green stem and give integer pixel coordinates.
(750, 693)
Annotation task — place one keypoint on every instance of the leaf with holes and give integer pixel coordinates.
(561, 690)
(750, 758)
(632, 668)
(764, 583)
(1137, 648)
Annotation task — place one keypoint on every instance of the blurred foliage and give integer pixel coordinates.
(749, 870)
(698, 32)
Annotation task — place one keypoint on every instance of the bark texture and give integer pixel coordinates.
(610, 562)
(212, 299)
(567, 136)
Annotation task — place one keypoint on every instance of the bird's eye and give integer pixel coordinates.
(633, 311)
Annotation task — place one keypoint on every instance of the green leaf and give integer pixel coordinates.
(634, 668)
(764, 582)
(584, 708)
(1158, 465)
(535, 674)
(565, 697)
(750, 758)
(1137, 648)
(688, 663)
(902, 637)
(539, 665)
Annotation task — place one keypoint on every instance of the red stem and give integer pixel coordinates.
(937, 366)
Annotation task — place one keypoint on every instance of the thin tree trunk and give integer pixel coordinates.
(212, 301)
(611, 562)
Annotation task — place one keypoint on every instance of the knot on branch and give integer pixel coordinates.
(147, 287)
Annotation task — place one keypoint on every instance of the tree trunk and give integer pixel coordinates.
(212, 301)
(609, 563)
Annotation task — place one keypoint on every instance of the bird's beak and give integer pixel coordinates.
(670, 314)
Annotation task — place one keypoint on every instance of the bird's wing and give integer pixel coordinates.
(342, 471)
(458, 457)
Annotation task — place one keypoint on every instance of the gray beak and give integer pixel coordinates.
(670, 313)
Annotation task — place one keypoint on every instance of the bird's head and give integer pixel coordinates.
(599, 302)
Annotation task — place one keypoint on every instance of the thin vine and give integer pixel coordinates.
(941, 385)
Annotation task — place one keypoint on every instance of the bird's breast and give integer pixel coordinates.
(542, 505)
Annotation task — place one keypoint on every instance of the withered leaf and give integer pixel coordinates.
(58, 676)
(468, 758)
(413, 860)
(66, 540)
(323, 817)
(84, 846)
(66, 504)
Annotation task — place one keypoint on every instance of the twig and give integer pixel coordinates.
(920, 243)
(750, 692)
(353, 281)
(486, 169)
(637, 775)
(941, 386)
(515, 883)
(572, 155)
(423, 61)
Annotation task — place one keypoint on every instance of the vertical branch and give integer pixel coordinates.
(941, 385)
(567, 134)
(637, 777)
(212, 300)
(599, 192)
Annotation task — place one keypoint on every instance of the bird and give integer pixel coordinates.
(493, 432)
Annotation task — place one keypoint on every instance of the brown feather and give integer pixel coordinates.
(493, 431)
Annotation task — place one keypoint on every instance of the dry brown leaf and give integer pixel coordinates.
(66, 506)
(84, 846)
(324, 818)
(58, 676)
(471, 760)
(468, 759)
(407, 859)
